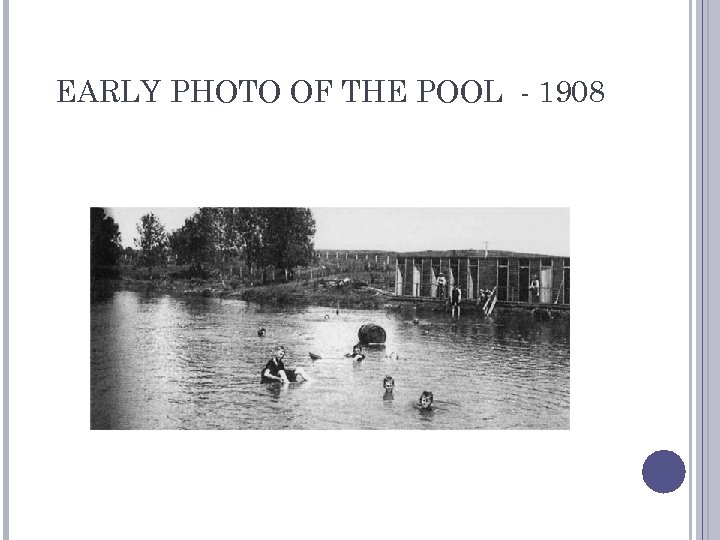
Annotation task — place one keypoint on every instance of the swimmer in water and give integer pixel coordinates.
(426, 400)
(357, 353)
(275, 370)
(389, 386)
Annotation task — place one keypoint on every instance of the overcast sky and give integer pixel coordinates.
(532, 230)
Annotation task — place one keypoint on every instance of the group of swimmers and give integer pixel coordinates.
(275, 371)
(426, 398)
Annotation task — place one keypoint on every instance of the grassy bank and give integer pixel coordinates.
(321, 292)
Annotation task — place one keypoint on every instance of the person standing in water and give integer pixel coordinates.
(441, 282)
(534, 290)
(456, 297)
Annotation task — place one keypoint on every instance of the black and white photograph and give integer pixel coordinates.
(264, 318)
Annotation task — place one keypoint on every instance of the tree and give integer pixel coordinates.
(201, 239)
(287, 238)
(151, 241)
(186, 243)
(179, 242)
(279, 237)
(105, 245)
(214, 236)
(245, 228)
(208, 222)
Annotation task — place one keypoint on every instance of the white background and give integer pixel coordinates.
(620, 165)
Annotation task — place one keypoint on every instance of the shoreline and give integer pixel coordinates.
(299, 293)
(295, 293)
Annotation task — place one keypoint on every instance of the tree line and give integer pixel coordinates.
(213, 237)
(105, 244)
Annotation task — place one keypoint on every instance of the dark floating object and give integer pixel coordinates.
(314, 356)
(371, 334)
(261, 332)
(416, 321)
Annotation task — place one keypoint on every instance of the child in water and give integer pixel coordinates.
(389, 386)
(426, 400)
(357, 353)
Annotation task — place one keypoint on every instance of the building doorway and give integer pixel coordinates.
(502, 280)
(524, 286)
(416, 280)
(546, 281)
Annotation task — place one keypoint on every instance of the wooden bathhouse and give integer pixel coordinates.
(509, 275)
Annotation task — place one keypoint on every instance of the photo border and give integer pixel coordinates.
(706, 423)
(6, 267)
(707, 300)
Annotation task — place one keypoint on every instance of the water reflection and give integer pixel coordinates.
(426, 415)
(276, 390)
(167, 362)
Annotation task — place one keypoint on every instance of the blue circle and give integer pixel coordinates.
(663, 471)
